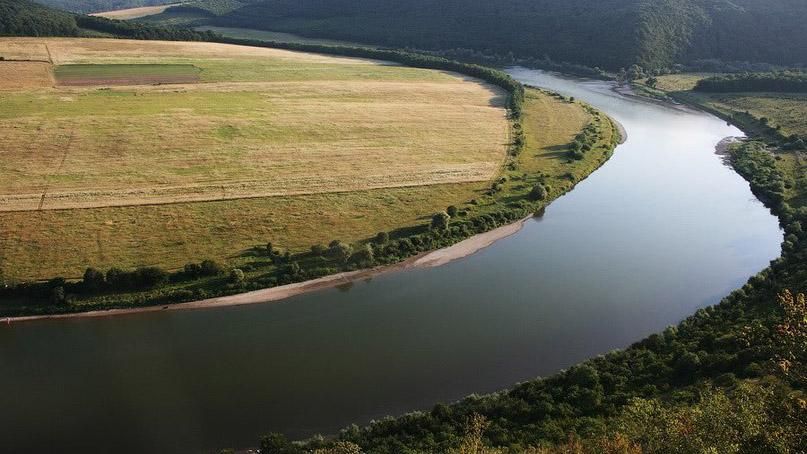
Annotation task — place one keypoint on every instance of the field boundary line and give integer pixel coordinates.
(58, 169)
(50, 57)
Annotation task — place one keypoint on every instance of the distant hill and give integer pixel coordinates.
(606, 33)
(25, 18)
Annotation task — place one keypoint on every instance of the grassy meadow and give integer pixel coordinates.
(269, 145)
(784, 112)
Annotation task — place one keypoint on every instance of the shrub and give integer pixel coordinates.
(57, 296)
(364, 256)
(93, 280)
(210, 268)
(440, 221)
(381, 238)
(318, 250)
(236, 276)
(452, 211)
(150, 276)
(538, 192)
(340, 251)
(118, 279)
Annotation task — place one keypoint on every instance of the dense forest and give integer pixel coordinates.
(610, 33)
(795, 82)
(25, 18)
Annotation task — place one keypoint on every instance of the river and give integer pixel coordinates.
(662, 229)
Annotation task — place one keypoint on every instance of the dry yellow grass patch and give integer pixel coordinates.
(21, 75)
(273, 145)
(84, 147)
(134, 13)
(101, 50)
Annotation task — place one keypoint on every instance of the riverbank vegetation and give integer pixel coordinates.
(784, 82)
(730, 378)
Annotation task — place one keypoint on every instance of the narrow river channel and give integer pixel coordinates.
(662, 229)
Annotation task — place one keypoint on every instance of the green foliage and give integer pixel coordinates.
(783, 81)
(610, 33)
(135, 30)
(538, 192)
(749, 418)
(758, 165)
(25, 18)
(340, 251)
(440, 221)
(236, 276)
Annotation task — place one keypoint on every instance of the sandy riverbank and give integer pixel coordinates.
(431, 259)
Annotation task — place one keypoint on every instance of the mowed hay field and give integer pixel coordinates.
(103, 165)
(134, 13)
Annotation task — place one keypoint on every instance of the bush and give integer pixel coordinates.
(538, 192)
(452, 211)
(440, 221)
(319, 250)
(340, 251)
(364, 256)
(211, 268)
(381, 238)
(236, 276)
(93, 280)
(57, 296)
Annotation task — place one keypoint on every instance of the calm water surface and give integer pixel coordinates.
(662, 229)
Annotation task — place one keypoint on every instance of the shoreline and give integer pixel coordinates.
(431, 259)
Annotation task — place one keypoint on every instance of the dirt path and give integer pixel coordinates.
(431, 259)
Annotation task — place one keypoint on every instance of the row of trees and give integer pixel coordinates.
(783, 81)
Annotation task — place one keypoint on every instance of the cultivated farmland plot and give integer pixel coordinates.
(97, 135)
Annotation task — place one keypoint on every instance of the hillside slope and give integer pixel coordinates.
(25, 18)
(608, 33)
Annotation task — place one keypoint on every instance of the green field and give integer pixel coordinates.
(264, 145)
(91, 74)
(784, 112)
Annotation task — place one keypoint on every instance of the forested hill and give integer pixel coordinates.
(25, 18)
(605, 33)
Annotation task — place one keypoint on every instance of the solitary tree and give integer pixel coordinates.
(440, 221)
(363, 256)
(57, 296)
(318, 249)
(340, 251)
(381, 238)
(451, 210)
(538, 192)
(236, 276)
(93, 280)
